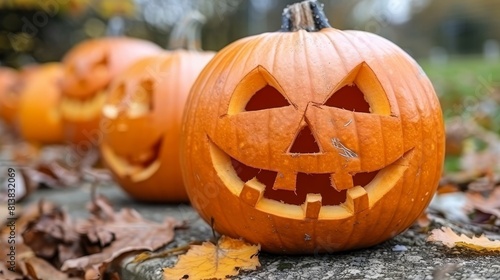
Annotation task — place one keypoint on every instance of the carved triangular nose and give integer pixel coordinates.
(305, 142)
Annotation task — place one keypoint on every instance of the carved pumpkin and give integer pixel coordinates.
(312, 139)
(10, 83)
(39, 118)
(90, 66)
(143, 114)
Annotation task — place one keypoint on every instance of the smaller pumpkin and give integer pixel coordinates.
(10, 83)
(143, 114)
(39, 119)
(89, 68)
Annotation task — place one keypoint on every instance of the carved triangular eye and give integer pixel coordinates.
(141, 101)
(103, 62)
(116, 96)
(350, 98)
(258, 90)
(266, 98)
(360, 91)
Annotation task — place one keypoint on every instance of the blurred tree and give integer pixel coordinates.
(43, 30)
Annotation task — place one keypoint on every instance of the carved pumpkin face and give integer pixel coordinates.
(312, 141)
(90, 67)
(39, 118)
(144, 111)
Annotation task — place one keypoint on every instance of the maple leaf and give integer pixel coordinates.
(449, 238)
(209, 261)
(108, 235)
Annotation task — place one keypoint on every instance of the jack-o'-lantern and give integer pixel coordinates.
(143, 114)
(312, 139)
(39, 120)
(10, 83)
(90, 66)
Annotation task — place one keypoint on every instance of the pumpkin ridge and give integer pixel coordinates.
(435, 122)
(389, 221)
(414, 95)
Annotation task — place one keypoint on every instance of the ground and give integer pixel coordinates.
(407, 256)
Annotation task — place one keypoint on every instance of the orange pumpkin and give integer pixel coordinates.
(10, 83)
(144, 112)
(39, 119)
(312, 139)
(90, 66)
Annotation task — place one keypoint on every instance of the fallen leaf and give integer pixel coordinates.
(489, 204)
(52, 237)
(449, 238)
(111, 234)
(5, 273)
(210, 261)
(447, 188)
(38, 268)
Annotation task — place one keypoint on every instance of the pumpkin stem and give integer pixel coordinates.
(307, 15)
(187, 33)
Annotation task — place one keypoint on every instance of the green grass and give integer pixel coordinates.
(467, 87)
(463, 82)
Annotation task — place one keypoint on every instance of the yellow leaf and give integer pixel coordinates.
(449, 238)
(209, 261)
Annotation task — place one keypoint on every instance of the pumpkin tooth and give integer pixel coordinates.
(357, 199)
(341, 180)
(110, 111)
(252, 192)
(284, 181)
(137, 109)
(312, 206)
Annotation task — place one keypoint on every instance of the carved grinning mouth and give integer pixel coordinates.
(81, 110)
(314, 196)
(137, 168)
(306, 183)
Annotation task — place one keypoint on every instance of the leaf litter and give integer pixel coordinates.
(52, 246)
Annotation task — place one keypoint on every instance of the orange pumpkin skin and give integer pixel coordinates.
(39, 119)
(143, 114)
(369, 168)
(9, 94)
(90, 66)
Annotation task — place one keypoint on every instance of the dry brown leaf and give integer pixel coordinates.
(489, 204)
(38, 268)
(449, 238)
(5, 273)
(111, 234)
(52, 236)
(209, 261)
